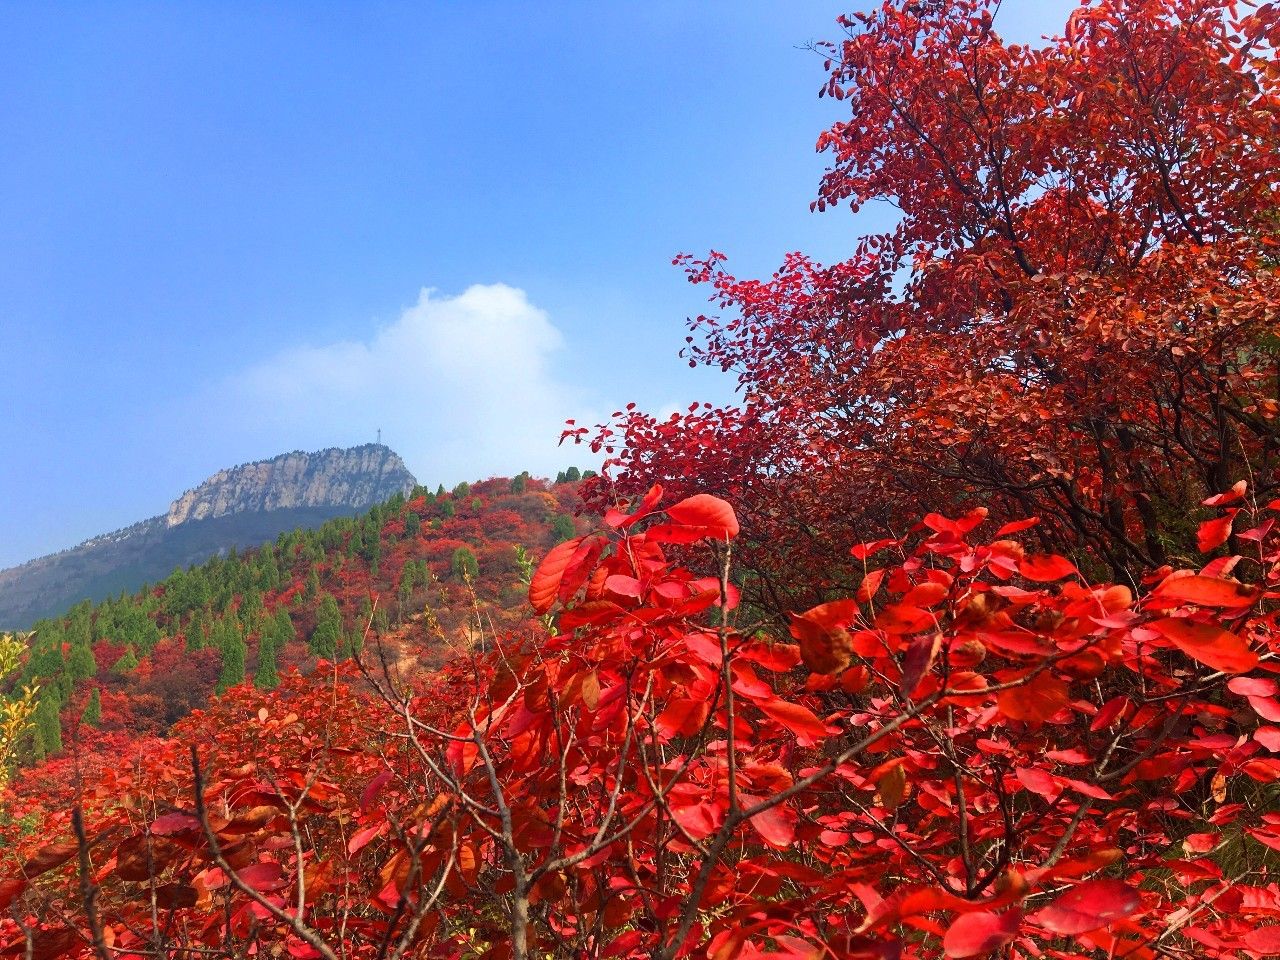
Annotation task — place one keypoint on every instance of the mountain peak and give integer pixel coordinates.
(352, 477)
(237, 507)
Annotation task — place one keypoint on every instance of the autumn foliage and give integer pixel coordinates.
(978, 749)
(957, 637)
(1073, 318)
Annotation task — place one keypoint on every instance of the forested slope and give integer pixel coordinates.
(412, 574)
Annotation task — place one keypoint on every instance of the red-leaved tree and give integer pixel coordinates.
(1074, 316)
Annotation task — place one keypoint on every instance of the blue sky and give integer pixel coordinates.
(219, 220)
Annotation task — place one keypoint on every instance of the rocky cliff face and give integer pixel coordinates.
(240, 507)
(356, 477)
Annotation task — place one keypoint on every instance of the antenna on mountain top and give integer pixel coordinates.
(379, 436)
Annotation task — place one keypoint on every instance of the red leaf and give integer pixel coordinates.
(1072, 755)
(1039, 781)
(359, 840)
(801, 721)
(825, 644)
(900, 618)
(1210, 645)
(10, 890)
(1252, 686)
(579, 567)
(591, 690)
(1269, 737)
(46, 858)
(1036, 701)
(983, 932)
(699, 819)
(1088, 789)
(264, 876)
(45, 944)
(864, 550)
(682, 717)
(370, 792)
(1266, 707)
(623, 586)
(776, 826)
(775, 656)
(545, 583)
(1017, 526)
(1264, 940)
(715, 517)
(1232, 496)
(1045, 567)
(824, 650)
(870, 584)
(919, 657)
(1089, 906)
(1214, 533)
(1205, 591)
(1109, 712)
(172, 823)
(618, 520)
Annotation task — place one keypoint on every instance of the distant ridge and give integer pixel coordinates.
(238, 507)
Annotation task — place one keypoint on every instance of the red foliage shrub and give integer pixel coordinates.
(978, 748)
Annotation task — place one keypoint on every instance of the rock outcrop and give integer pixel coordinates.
(355, 477)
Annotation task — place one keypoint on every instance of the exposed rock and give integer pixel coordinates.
(355, 477)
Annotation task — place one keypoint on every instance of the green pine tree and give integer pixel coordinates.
(93, 709)
(194, 632)
(408, 579)
(563, 528)
(127, 663)
(232, 662)
(48, 722)
(266, 676)
(282, 631)
(81, 664)
(464, 564)
(328, 630)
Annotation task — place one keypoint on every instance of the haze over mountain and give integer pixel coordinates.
(237, 507)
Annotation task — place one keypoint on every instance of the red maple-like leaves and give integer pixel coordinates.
(711, 515)
(1089, 906)
(1021, 684)
(1214, 533)
(1209, 644)
(981, 933)
(1206, 591)
(545, 584)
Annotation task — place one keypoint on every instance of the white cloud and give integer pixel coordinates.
(462, 387)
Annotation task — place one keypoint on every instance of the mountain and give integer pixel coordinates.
(413, 577)
(238, 507)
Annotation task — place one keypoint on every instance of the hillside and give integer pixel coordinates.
(235, 508)
(411, 574)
